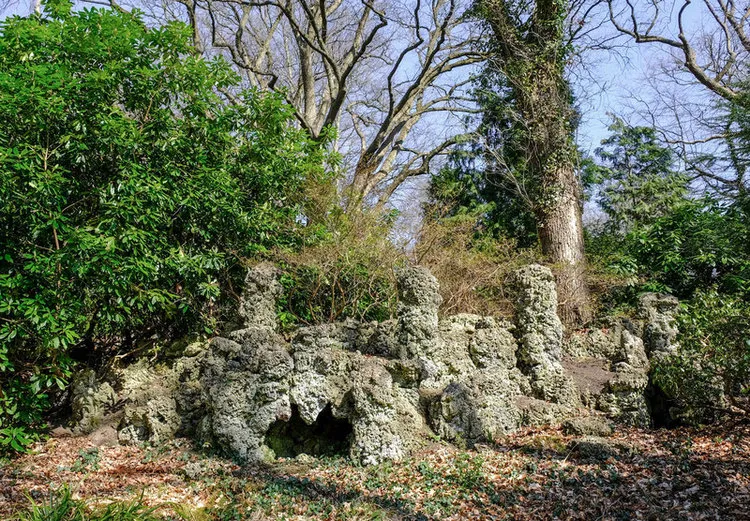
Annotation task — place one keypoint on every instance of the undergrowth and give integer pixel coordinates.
(61, 506)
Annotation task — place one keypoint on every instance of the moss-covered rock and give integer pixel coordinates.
(375, 391)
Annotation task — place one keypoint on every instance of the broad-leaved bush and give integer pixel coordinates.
(135, 177)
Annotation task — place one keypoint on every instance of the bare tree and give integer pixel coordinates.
(708, 49)
(391, 78)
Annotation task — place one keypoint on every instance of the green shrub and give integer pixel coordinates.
(659, 236)
(130, 191)
(347, 274)
(710, 373)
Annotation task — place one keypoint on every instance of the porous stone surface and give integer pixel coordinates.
(540, 331)
(657, 312)
(376, 391)
(91, 401)
(540, 334)
(617, 375)
(258, 303)
(625, 398)
(593, 425)
(598, 448)
(419, 300)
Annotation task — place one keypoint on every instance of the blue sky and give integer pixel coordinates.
(611, 78)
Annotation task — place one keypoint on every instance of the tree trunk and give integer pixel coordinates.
(532, 58)
(561, 236)
(545, 106)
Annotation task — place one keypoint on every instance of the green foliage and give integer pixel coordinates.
(88, 459)
(16, 439)
(737, 120)
(700, 243)
(657, 236)
(130, 190)
(711, 369)
(488, 177)
(346, 274)
(480, 220)
(344, 289)
(60, 506)
(634, 178)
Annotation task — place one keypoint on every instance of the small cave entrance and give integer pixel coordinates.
(659, 405)
(327, 436)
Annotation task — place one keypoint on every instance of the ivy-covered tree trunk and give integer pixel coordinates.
(531, 52)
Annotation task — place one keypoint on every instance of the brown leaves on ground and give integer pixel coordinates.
(685, 474)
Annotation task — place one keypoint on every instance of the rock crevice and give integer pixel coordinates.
(378, 390)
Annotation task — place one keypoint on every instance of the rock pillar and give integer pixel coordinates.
(419, 300)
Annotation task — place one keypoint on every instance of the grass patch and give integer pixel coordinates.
(60, 506)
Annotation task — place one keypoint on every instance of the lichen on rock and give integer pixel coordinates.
(374, 391)
(658, 312)
(91, 401)
(419, 300)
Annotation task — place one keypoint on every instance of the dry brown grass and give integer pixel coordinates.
(350, 274)
(473, 275)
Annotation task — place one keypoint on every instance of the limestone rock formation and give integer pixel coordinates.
(92, 399)
(419, 300)
(540, 334)
(592, 425)
(374, 391)
(262, 288)
(474, 398)
(618, 387)
(658, 311)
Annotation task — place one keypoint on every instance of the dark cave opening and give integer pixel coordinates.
(660, 405)
(327, 436)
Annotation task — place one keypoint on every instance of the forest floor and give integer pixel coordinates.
(538, 474)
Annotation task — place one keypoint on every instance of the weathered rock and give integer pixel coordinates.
(377, 431)
(419, 300)
(554, 384)
(258, 302)
(537, 413)
(481, 408)
(618, 389)
(629, 407)
(373, 390)
(590, 375)
(382, 341)
(593, 425)
(153, 402)
(255, 380)
(540, 331)
(91, 401)
(540, 334)
(592, 343)
(246, 389)
(625, 398)
(658, 312)
(598, 448)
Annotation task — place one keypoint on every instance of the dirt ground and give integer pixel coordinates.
(680, 474)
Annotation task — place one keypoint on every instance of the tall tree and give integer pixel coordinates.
(635, 177)
(531, 49)
(486, 177)
(388, 76)
(708, 44)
